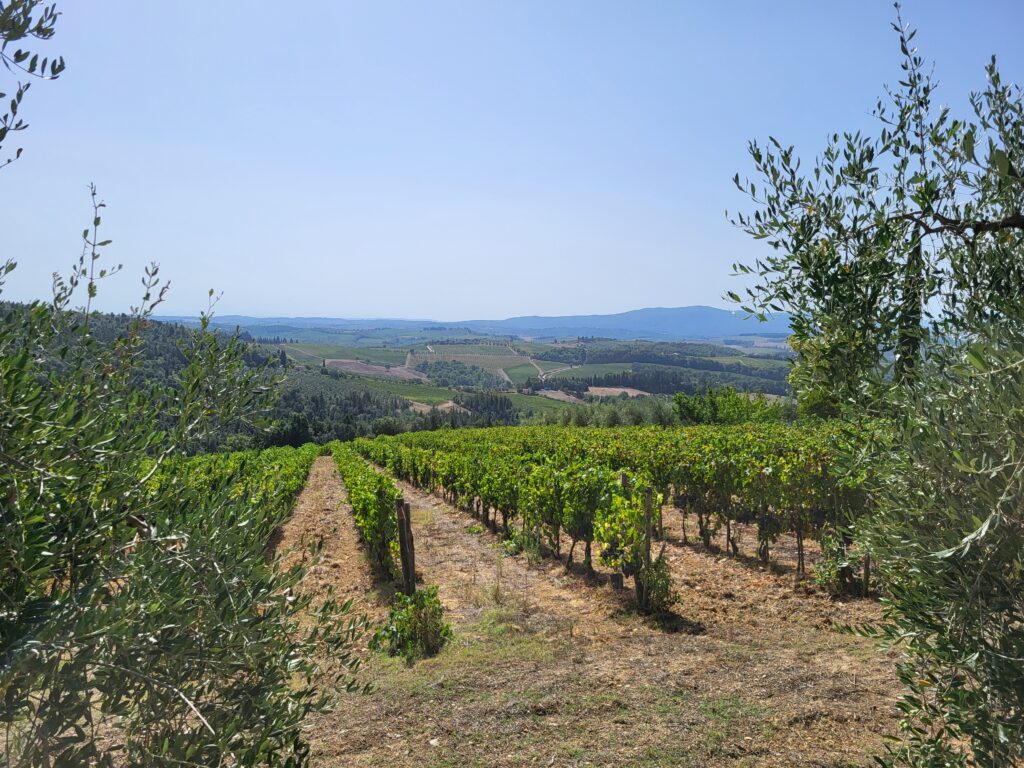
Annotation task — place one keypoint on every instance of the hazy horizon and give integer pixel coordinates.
(469, 160)
(162, 314)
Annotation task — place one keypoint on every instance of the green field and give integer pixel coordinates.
(427, 394)
(521, 373)
(548, 365)
(430, 395)
(458, 350)
(753, 362)
(536, 405)
(368, 337)
(495, 361)
(531, 347)
(595, 369)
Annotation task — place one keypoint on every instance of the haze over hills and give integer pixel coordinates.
(695, 322)
(655, 323)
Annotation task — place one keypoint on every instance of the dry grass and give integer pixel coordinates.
(550, 667)
(616, 391)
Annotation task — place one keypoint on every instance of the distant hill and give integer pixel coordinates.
(655, 323)
(658, 323)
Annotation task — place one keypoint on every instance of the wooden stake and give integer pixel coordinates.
(648, 525)
(412, 548)
(405, 547)
(642, 596)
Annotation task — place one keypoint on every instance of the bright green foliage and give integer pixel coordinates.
(949, 537)
(654, 586)
(415, 627)
(900, 259)
(725, 405)
(269, 479)
(569, 479)
(620, 526)
(586, 490)
(141, 619)
(373, 497)
(544, 505)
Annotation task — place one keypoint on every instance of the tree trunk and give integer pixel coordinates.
(641, 592)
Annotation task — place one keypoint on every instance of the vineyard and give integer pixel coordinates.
(549, 660)
(597, 499)
(372, 498)
(783, 532)
(266, 482)
(607, 486)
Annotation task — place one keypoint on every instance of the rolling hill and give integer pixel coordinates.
(654, 323)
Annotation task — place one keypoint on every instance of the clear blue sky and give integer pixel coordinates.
(450, 160)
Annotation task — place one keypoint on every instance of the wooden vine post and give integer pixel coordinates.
(405, 546)
(643, 597)
(648, 525)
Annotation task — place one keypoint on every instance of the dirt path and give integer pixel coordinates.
(322, 514)
(544, 375)
(557, 394)
(475, 573)
(552, 668)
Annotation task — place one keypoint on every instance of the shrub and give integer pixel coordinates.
(948, 536)
(656, 585)
(415, 627)
(134, 595)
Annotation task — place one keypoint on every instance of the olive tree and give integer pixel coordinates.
(141, 623)
(900, 258)
(893, 242)
(22, 22)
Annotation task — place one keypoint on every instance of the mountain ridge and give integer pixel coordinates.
(655, 323)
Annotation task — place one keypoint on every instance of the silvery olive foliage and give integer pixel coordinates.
(143, 623)
(891, 243)
(142, 619)
(900, 257)
(22, 24)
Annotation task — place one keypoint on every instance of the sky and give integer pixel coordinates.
(446, 160)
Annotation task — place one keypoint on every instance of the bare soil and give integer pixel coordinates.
(451, 405)
(551, 666)
(323, 515)
(557, 394)
(368, 369)
(615, 391)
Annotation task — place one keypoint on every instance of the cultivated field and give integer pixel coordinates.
(313, 353)
(521, 373)
(360, 368)
(557, 394)
(615, 391)
(550, 667)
